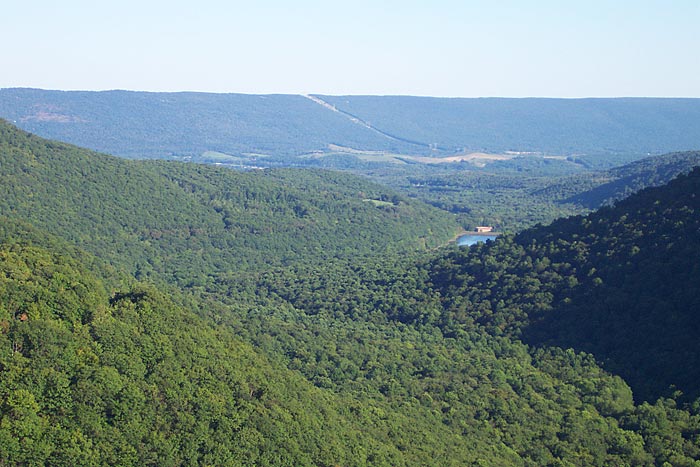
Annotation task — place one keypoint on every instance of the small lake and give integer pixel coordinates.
(470, 239)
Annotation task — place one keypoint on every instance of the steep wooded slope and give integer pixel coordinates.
(621, 283)
(188, 221)
(128, 377)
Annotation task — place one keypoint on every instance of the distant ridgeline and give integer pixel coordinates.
(165, 125)
(513, 201)
(623, 181)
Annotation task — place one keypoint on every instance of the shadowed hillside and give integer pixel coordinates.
(621, 283)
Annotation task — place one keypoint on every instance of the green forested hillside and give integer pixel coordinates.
(128, 377)
(447, 332)
(621, 283)
(643, 261)
(188, 221)
(264, 344)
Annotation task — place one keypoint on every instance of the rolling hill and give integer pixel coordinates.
(190, 221)
(620, 182)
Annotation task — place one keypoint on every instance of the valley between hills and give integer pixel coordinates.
(159, 311)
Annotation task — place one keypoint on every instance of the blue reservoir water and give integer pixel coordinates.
(469, 240)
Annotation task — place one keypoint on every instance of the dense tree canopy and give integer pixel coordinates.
(188, 222)
(297, 318)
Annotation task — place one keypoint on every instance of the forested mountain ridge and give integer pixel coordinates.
(163, 125)
(188, 221)
(553, 126)
(160, 125)
(620, 283)
(546, 155)
(641, 313)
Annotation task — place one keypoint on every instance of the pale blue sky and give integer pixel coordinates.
(432, 47)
